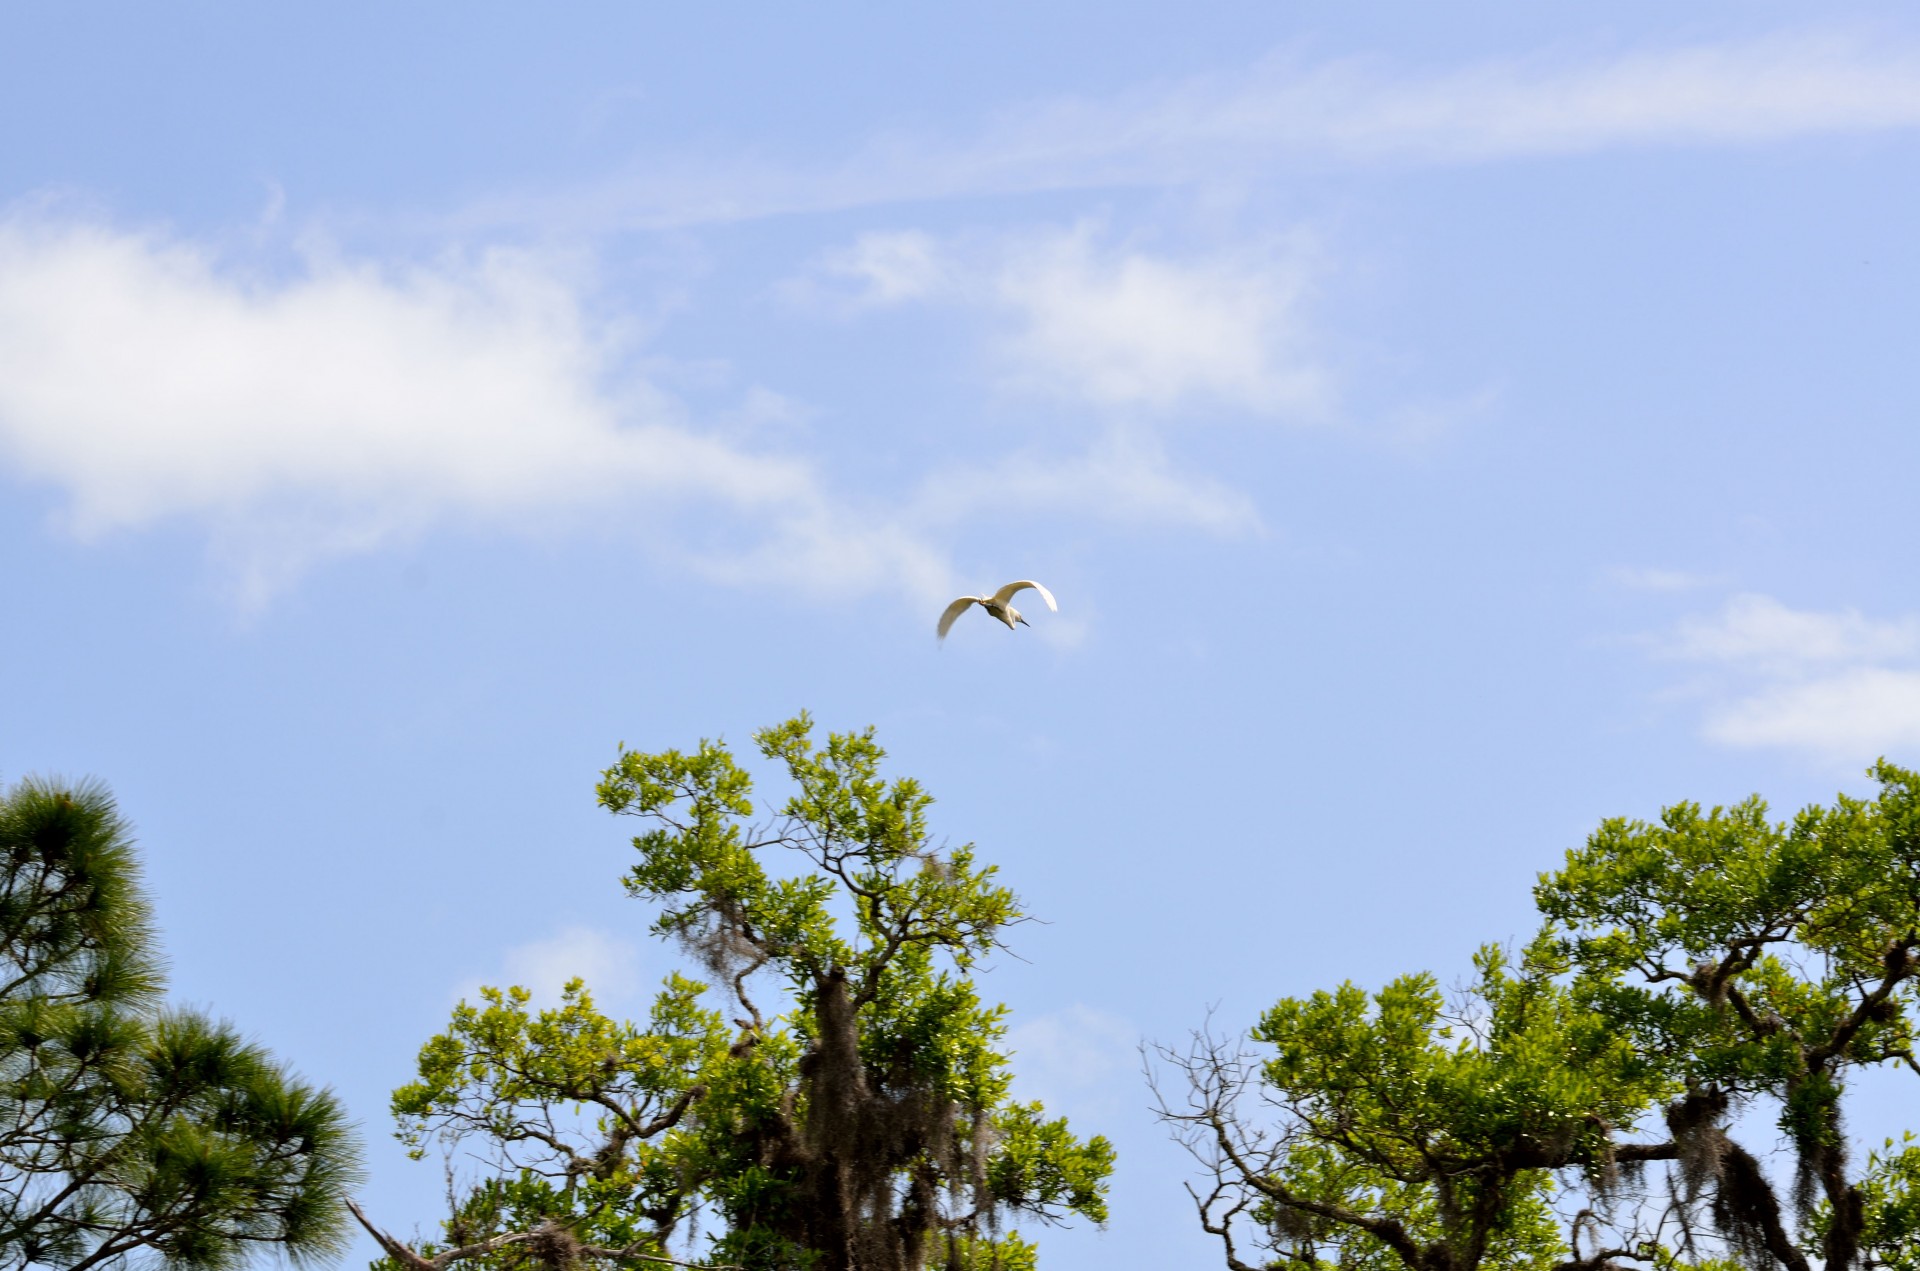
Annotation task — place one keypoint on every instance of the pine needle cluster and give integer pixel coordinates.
(130, 1131)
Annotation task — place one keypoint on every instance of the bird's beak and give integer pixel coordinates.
(1021, 619)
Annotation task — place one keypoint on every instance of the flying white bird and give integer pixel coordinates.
(997, 605)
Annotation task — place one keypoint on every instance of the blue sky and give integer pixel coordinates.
(1442, 428)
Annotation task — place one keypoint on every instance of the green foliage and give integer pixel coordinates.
(1766, 963)
(1038, 1165)
(508, 1077)
(125, 1129)
(1890, 1194)
(1685, 972)
(1412, 1137)
(859, 1118)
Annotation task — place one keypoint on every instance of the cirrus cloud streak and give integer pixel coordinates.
(1284, 110)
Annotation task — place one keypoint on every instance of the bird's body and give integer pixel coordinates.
(999, 604)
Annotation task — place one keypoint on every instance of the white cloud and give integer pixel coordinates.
(1761, 632)
(1117, 326)
(1130, 329)
(304, 418)
(1124, 476)
(1074, 1059)
(610, 966)
(835, 551)
(1854, 715)
(1286, 108)
(885, 268)
(1774, 87)
(1836, 685)
(1132, 334)
(1650, 579)
(328, 413)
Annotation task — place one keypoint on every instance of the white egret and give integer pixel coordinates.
(997, 605)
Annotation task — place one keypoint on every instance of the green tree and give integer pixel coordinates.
(127, 1129)
(847, 1108)
(1596, 1106)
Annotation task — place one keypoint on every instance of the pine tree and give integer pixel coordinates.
(127, 1128)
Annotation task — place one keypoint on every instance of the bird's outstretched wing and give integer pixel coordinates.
(954, 610)
(1006, 593)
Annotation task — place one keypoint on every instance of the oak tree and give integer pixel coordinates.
(1701, 997)
(828, 1092)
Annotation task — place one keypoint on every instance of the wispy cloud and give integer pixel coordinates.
(333, 412)
(877, 269)
(1143, 340)
(1774, 87)
(1837, 685)
(1075, 315)
(1075, 1060)
(1288, 108)
(833, 551)
(1659, 580)
(1852, 715)
(1127, 328)
(1759, 633)
(1125, 476)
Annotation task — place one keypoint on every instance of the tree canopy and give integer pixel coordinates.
(829, 1092)
(1700, 996)
(128, 1129)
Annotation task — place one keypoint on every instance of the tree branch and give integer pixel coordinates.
(1385, 1230)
